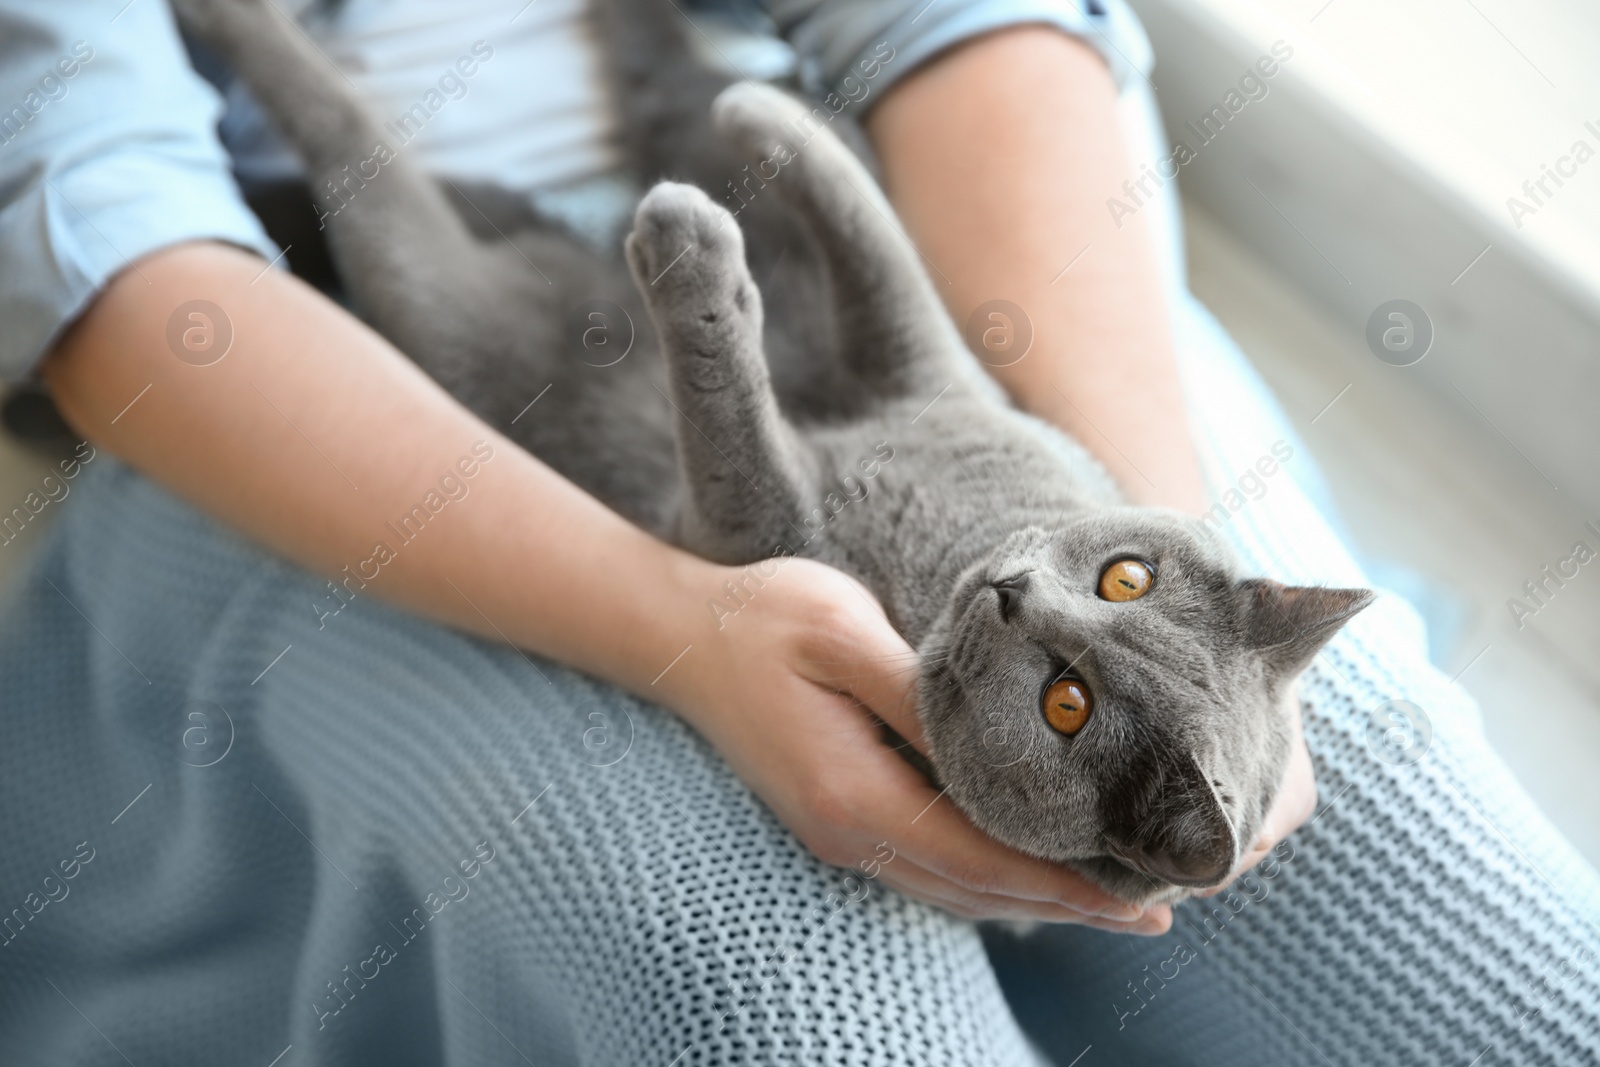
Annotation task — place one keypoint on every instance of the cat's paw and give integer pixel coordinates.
(679, 236)
(687, 257)
(759, 117)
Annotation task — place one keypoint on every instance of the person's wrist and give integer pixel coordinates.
(715, 616)
(666, 654)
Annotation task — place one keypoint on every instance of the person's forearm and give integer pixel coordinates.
(999, 157)
(315, 437)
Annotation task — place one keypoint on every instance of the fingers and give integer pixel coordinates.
(923, 885)
(886, 683)
(926, 827)
(939, 856)
(1296, 800)
(860, 654)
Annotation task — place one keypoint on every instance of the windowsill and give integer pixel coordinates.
(1442, 92)
(1378, 167)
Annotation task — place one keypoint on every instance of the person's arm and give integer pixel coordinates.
(999, 157)
(312, 432)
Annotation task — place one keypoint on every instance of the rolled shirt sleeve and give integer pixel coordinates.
(840, 39)
(108, 152)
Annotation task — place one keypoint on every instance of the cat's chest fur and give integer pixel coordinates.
(950, 481)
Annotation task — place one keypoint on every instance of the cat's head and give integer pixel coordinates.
(1110, 694)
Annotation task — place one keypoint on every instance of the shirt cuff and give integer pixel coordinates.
(63, 239)
(109, 155)
(840, 41)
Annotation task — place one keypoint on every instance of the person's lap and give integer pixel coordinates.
(640, 903)
(645, 899)
(553, 869)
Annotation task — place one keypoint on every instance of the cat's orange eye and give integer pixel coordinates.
(1066, 704)
(1126, 579)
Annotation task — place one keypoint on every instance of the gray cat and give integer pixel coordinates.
(1098, 685)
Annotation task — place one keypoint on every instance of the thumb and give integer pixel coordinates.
(887, 685)
(871, 663)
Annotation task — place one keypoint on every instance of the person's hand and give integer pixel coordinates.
(1296, 800)
(790, 688)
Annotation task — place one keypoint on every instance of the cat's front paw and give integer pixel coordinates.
(679, 237)
(687, 257)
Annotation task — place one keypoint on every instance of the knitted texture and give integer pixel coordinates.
(1427, 914)
(629, 901)
(392, 843)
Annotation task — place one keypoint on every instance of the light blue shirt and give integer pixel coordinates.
(109, 148)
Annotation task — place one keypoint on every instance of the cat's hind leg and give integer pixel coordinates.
(745, 473)
(408, 261)
(899, 339)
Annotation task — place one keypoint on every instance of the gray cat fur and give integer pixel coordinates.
(842, 419)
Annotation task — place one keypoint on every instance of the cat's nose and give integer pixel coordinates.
(1010, 591)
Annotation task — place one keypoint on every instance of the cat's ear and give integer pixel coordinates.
(1288, 624)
